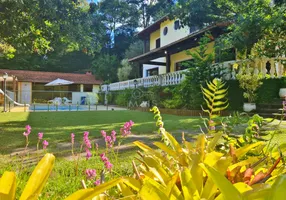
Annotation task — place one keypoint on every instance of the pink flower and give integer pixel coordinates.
(113, 135)
(90, 173)
(28, 129)
(45, 144)
(26, 134)
(103, 133)
(88, 153)
(87, 144)
(126, 129)
(108, 165)
(72, 138)
(97, 182)
(109, 140)
(40, 135)
(86, 140)
(103, 157)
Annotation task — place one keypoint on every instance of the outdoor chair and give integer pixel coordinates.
(66, 100)
(56, 101)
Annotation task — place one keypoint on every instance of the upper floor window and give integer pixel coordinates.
(158, 43)
(152, 72)
(182, 65)
(165, 31)
(177, 25)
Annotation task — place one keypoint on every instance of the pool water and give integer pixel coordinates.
(59, 108)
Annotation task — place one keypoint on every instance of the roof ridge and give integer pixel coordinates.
(41, 71)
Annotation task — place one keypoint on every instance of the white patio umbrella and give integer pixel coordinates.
(59, 82)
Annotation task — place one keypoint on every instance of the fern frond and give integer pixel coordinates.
(215, 97)
(211, 87)
(206, 91)
(220, 108)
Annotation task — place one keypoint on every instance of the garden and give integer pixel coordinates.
(132, 154)
(228, 151)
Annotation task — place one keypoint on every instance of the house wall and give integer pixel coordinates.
(172, 34)
(95, 88)
(153, 37)
(182, 56)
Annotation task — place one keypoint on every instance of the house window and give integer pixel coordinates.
(177, 25)
(165, 31)
(87, 88)
(182, 65)
(158, 43)
(153, 72)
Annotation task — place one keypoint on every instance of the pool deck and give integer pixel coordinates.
(92, 108)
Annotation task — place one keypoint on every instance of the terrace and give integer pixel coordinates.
(267, 67)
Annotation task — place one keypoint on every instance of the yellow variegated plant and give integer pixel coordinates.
(34, 185)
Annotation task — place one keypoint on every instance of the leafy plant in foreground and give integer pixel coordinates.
(34, 185)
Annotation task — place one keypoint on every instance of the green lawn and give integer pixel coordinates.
(57, 126)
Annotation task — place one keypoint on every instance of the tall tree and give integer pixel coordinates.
(40, 26)
(40, 34)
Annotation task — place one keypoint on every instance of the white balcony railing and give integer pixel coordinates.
(272, 67)
(172, 78)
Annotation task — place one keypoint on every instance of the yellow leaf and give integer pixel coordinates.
(278, 188)
(133, 183)
(225, 187)
(188, 186)
(38, 178)
(212, 158)
(124, 189)
(250, 160)
(152, 190)
(90, 193)
(8, 186)
(243, 150)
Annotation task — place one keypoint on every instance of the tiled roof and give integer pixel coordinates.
(46, 77)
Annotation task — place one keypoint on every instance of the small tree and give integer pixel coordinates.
(200, 70)
(249, 82)
(123, 73)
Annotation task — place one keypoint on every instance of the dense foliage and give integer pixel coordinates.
(251, 21)
(70, 36)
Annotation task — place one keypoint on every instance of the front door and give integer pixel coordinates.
(26, 92)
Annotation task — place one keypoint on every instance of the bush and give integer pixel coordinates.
(268, 91)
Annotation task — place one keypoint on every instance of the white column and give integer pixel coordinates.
(81, 87)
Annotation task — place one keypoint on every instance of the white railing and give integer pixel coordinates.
(172, 78)
(272, 67)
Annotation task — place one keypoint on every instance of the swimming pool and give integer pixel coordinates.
(58, 108)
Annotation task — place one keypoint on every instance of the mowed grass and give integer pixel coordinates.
(57, 126)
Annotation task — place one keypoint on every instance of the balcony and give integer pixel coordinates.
(172, 78)
(271, 67)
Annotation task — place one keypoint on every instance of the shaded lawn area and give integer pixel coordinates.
(57, 126)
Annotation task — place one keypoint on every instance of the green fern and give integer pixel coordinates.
(215, 98)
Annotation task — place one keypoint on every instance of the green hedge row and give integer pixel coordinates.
(167, 97)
